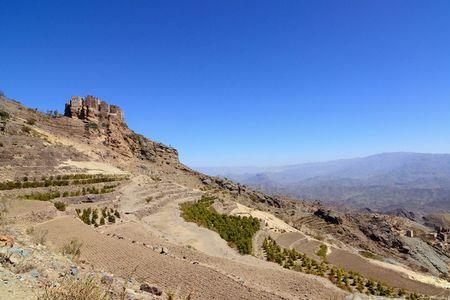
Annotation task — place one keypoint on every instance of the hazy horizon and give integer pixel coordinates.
(265, 167)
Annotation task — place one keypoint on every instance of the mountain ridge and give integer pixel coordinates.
(406, 180)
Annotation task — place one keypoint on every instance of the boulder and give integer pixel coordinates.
(328, 216)
(206, 181)
(73, 271)
(164, 251)
(107, 279)
(152, 289)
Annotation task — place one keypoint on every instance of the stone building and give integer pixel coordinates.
(92, 109)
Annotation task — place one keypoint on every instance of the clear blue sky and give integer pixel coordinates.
(243, 82)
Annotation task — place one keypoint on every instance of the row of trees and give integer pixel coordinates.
(57, 194)
(351, 281)
(42, 196)
(236, 230)
(62, 180)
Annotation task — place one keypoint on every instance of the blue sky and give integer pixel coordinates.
(233, 83)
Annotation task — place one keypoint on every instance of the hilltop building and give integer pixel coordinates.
(92, 109)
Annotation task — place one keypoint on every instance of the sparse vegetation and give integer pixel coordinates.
(39, 236)
(73, 249)
(155, 178)
(30, 230)
(237, 231)
(322, 252)
(170, 294)
(4, 115)
(23, 267)
(87, 288)
(91, 127)
(53, 114)
(90, 216)
(26, 129)
(61, 206)
(347, 280)
(31, 121)
(369, 255)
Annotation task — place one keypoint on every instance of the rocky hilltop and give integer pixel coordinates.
(107, 120)
(92, 109)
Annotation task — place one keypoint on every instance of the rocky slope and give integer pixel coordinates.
(92, 161)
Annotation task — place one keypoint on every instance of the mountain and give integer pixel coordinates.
(90, 209)
(384, 182)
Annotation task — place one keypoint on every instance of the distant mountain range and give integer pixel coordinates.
(387, 182)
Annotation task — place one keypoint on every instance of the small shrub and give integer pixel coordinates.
(73, 249)
(30, 230)
(322, 251)
(4, 115)
(111, 219)
(94, 215)
(171, 294)
(31, 121)
(61, 206)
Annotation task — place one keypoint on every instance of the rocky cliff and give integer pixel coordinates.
(107, 121)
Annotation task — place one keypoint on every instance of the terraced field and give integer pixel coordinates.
(212, 270)
(122, 258)
(357, 263)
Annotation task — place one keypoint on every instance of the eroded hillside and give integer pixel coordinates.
(100, 200)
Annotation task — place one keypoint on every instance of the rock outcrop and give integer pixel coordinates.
(328, 216)
(92, 109)
(378, 229)
(238, 189)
